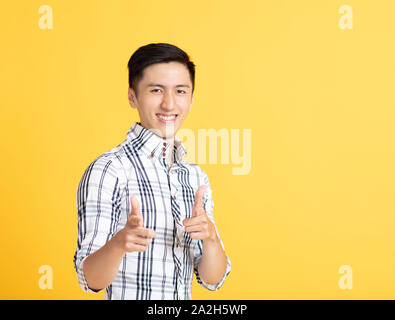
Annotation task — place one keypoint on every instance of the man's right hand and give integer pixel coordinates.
(134, 237)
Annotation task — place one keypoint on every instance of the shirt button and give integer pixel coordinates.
(163, 149)
(152, 155)
(164, 143)
(164, 154)
(174, 197)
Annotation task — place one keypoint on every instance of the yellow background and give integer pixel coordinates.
(319, 101)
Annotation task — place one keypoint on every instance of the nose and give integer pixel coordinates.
(168, 102)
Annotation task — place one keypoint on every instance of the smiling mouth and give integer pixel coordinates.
(166, 118)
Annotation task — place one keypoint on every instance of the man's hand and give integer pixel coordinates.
(134, 237)
(199, 226)
(212, 265)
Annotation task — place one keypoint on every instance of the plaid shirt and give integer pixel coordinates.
(138, 166)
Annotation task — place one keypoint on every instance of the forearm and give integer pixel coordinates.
(213, 263)
(101, 267)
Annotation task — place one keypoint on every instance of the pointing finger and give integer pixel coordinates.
(198, 199)
(135, 215)
(146, 233)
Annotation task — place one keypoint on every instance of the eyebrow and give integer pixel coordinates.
(162, 86)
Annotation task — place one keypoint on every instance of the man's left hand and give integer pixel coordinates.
(199, 226)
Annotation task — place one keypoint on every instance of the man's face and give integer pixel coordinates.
(164, 97)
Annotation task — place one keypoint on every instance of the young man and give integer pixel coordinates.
(145, 215)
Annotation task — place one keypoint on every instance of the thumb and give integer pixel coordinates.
(135, 213)
(199, 200)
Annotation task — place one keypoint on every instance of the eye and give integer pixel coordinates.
(154, 90)
(182, 91)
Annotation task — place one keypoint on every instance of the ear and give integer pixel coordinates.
(132, 98)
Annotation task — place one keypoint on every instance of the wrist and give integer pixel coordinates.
(213, 239)
(116, 244)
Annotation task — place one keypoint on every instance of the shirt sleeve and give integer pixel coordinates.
(208, 204)
(98, 210)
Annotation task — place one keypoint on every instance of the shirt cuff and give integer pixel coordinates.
(81, 278)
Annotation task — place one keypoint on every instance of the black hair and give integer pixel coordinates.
(156, 53)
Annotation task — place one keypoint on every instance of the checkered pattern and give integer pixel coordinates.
(138, 166)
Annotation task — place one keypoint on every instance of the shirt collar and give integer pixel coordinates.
(152, 145)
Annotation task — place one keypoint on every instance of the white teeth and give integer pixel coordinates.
(166, 118)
